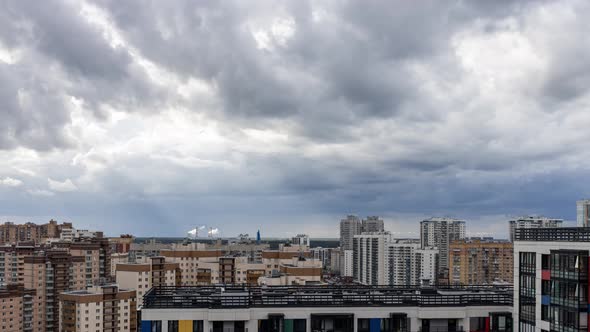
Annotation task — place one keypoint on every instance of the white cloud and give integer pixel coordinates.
(64, 186)
(10, 182)
(41, 192)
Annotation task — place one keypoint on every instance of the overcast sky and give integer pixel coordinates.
(152, 117)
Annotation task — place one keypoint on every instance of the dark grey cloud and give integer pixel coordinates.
(460, 108)
(32, 113)
(62, 55)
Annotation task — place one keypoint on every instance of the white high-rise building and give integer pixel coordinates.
(349, 227)
(583, 212)
(409, 265)
(428, 258)
(301, 240)
(532, 222)
(347, 270)
(403, 267)
(439, 233)
(369, 258)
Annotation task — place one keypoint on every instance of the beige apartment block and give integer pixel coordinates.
(480, 262)
(17, 307)
(98, 309)
(11, 233)
(51, 273)
(12, 262)
(118, 258)
(142, 277)
(199, 265)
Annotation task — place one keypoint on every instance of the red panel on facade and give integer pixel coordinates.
(546, 274)
(487, 324)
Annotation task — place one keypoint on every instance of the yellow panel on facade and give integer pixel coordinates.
(185, 326)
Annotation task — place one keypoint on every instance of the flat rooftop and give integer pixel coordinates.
(224, 297)
(553, 234)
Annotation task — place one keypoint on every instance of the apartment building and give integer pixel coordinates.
(402, 266)
(202, 266)
(440, 233)
(372, 224)
(99, 308)
(12, 260)
(149, 248)
(121, 244)
(51, 273)
(583, 213)
(324, 255)
(370, 258)
(349, 227)
(532, 222)
(97, 256)
(300, 239)
(353, 225)
(11, 233)
(347, 263)
(478, 261)
(118, 258)
(409, 265)
(17, 307)
(551, 279)
(244, 248)
(143, 276)
(326, 309)
(428, 258)
(296, 271)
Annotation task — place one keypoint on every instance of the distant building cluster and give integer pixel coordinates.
(54, 277)
(39, 263)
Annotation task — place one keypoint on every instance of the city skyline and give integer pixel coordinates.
(398, 228)
(290, 115)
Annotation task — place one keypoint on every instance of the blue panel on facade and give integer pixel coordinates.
(146, 325)
(375, 325)
(546, 299)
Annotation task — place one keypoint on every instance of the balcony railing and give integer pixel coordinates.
(560, 234)
(328, 296)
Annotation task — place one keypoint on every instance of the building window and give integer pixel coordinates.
(545, 287)
(363, 325)
(527, 265)
(156, 326)
(198, 326)
(545, 312)
(172, 326)
(545, 262)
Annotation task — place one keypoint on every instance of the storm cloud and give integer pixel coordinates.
(153, 116)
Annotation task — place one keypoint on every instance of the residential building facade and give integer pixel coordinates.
(478, 261)
(18, 308)
(409, 265)
(141, 277)
(300, 239)
(325, 309)
(370, 258)
(349, 227)
(532, 222)
(202, 266)
(439, 233)
(372, 224)
(583, 213)
(551, 279)
(428, 258)
(11, 233)
(348, 263)
(99, 308)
